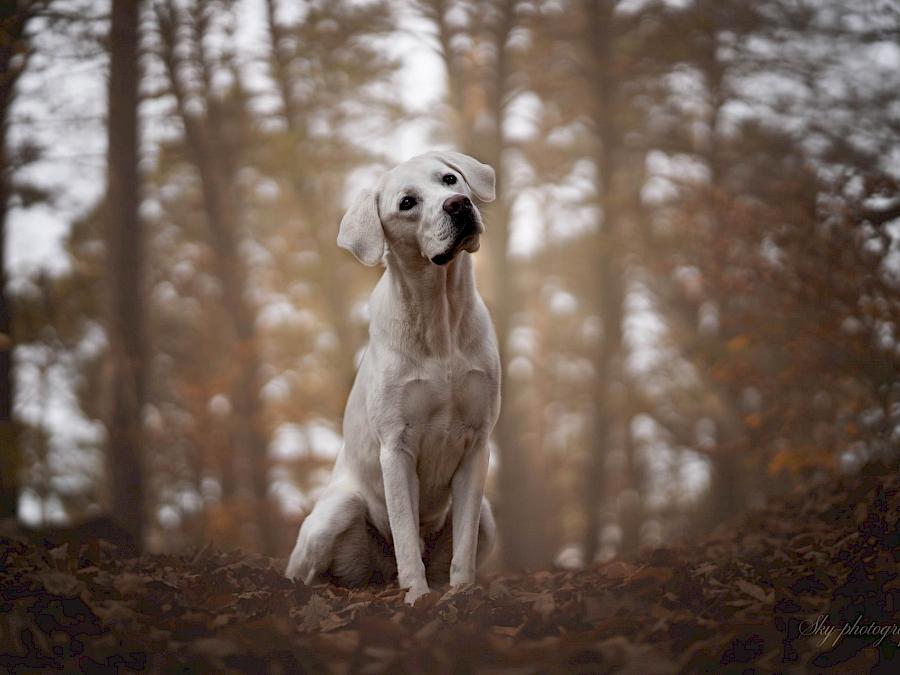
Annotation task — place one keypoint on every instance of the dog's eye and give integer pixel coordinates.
(407, 203)
(449, 179)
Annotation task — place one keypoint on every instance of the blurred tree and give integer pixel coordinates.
(125, 267)
(323, 79)
(777, 158)
(602, 37)
(716, 35)
(213, 141)
(596, 62)
(58, 330)
(15, 50)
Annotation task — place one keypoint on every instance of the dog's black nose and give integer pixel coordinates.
(457, 204)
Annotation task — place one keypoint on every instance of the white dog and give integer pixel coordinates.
(426, 396)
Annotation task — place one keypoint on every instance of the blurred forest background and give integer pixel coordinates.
(693, 265)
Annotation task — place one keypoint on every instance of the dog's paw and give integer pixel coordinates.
(462, 576)
(300, 567)
(415, 592)
(293, 571)
(459, 589)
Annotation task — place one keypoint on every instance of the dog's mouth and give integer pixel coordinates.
(470, 243)
(467, 238)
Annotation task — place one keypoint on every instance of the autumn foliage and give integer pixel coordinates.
(758, 594)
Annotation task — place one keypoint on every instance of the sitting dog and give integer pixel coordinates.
(406, 497)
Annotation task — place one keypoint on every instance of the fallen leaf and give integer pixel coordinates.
(316, 610)
(60, 583)
(544, 605)
(617, 570)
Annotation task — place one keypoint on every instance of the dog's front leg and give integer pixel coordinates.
(467, 488)
(401, 494)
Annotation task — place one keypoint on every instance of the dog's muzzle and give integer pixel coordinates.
(466, 228)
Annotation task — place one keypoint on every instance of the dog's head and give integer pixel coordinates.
(422, 207)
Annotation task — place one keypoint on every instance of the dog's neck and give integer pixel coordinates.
(434, 299)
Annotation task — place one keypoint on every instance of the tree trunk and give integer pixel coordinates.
(523, 534)
(607, 360)
(9, 452)
(14, 17)
(125, 264)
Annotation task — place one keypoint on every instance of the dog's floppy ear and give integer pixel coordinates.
(361, 232)
(480, 177)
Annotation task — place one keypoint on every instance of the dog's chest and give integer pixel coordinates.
(446, 409)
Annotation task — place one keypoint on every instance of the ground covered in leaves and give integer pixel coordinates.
(808, 585)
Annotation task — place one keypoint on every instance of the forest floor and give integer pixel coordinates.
(810, 584)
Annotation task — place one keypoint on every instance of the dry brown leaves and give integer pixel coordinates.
(745, 598)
